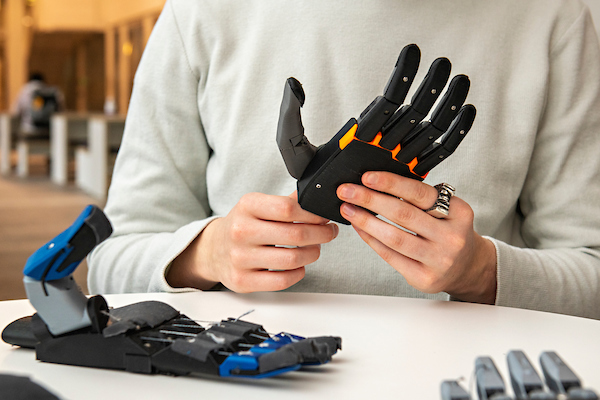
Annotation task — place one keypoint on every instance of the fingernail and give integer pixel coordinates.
(370, 178)
(348, 209)
(347, 192)
(336, 230)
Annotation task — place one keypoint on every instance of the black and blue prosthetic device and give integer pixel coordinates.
(146, 337)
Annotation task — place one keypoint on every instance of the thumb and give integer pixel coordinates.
(296, 150)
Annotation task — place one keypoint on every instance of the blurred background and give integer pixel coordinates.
(89, 50)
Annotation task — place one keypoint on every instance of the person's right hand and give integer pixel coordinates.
(242, 250)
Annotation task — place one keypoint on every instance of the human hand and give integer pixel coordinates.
(443, 255)
(241, 250)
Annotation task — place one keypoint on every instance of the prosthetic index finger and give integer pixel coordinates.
(383, 107)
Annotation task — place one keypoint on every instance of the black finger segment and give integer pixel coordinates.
(425, 136)
(370, 123)
(383, 107)
(451, 103)
(404, 121)
(403, 75)
(434, 155)
(432, 86)
(296, 150)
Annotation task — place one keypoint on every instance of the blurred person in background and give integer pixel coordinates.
(36, 103)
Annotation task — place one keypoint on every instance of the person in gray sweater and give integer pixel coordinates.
(201, 197)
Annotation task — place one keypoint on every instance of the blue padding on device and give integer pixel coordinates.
(44, 263)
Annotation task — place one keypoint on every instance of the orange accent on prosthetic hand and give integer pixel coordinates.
(350, 136)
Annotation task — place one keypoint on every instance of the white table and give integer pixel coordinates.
(393, 348)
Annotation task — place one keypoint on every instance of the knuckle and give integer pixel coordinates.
(236, 281)
(237, 257)
(422, 194)
(290, 259)
(361, 218)
(458, 242)
(464, 210)
(387, 257)
(403, 214)
(431, 283)
(286, 208)
(364, 196)
(446, 262)
(297, 234)
(396, 241)
(246, 201)
(284, 280)
(237, 232)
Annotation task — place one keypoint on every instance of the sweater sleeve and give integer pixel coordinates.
(560, 269)
(158, 184)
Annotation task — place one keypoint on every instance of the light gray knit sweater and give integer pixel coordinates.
(201, 133)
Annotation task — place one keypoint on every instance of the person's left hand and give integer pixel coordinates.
(443, 255)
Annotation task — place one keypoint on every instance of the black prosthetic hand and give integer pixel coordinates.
(388, 136)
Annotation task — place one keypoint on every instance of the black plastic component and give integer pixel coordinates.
(559, 377)
(95, 230)
(139, 315)
(152, 337)
(403, 75)
(97, 309)
(414, 144)
(452, 390)
(19, 333)
(582, 394)
(432, 85)
(541, 395)
(284, 357)
(490, 384)
(296, 150)
(383, 107)
(523, 376)
(379, 112)
(13, 387)
(322, 348)
(451, 103)
(431, 157)
(317, 191)
(249, 332)
(399, 126)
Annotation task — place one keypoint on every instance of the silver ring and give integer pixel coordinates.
(441, 207)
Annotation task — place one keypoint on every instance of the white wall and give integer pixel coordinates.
(595, 8)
